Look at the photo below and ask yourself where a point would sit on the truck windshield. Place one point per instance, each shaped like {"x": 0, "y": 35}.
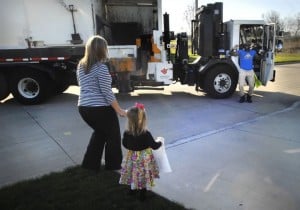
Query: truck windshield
{"x": 258, "y": 36}
{"x": 252, "y": 34}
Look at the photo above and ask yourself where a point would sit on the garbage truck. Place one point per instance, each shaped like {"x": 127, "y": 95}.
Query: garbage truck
{"x": 41, "y": 43}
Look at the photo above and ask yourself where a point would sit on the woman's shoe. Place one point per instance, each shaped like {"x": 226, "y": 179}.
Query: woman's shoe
{"x": 142, "y": 196}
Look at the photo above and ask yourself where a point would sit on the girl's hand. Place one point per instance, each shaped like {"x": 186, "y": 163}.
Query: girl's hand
{"x": 161, "y": 139}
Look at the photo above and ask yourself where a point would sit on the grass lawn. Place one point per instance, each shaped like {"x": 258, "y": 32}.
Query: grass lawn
{"x": 287, "y": 57}
{"x": 77, "y": 188}
{"x": 279, "y": 57}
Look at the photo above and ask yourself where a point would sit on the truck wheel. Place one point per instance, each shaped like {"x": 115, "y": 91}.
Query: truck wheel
{"x": 4, "y": 90}
{"x": 60, "y": 88}
{"x": 30, "y": 87}
{"x": 61, "y": 85}
{"x": 220, "y": 81}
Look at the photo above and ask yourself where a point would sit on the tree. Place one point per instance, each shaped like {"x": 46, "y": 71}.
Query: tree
{"x": 274, "y": 17}
{"x": 297, "y": 24}
{"x": 292, "y": 25}
{"x": 189, "y": 15}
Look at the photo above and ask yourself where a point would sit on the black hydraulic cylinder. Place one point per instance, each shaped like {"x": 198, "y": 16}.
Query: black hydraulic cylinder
{"x": 166, "y": 37}
{"x": 210, "y": 20}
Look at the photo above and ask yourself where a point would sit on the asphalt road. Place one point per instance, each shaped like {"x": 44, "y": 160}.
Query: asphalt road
{"x": 224, "y": 155}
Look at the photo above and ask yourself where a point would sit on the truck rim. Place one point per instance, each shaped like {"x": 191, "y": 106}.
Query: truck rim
{"x": 222, "y": 83}
{"x": 28, "y": 88}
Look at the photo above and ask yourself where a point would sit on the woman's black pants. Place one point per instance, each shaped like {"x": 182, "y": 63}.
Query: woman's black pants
{"x": 106, "y": 134}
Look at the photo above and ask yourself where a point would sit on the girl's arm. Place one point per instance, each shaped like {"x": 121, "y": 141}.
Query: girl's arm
{"x": 152, "y": 143}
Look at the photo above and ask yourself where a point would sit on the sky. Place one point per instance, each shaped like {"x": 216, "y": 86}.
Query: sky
{"x": 232, "y": 9}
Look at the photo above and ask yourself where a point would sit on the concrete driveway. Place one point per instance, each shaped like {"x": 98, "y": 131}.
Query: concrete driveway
{"x": 224, "y": 155}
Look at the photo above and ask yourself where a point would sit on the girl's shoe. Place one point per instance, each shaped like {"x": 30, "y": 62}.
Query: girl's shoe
{"x": 131, "y": 192}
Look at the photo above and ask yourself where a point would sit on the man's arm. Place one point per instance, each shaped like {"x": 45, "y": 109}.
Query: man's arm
{"x": 234, "y": 51}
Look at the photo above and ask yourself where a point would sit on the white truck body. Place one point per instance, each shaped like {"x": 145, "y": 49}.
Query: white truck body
{"x": 48, "y": 22}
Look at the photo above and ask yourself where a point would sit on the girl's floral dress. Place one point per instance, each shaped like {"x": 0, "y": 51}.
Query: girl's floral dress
{"x": 139, "y": 168}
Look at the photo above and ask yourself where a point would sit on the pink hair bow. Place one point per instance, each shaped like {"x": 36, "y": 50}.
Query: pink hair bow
{"x": 139, "y": 105}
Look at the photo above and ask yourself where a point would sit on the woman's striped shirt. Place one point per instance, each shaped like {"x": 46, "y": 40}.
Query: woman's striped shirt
{"x": 95, "y": 86}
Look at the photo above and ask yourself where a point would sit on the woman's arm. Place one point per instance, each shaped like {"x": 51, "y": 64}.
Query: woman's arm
{"x": 105, "y": 84}
{"x": 115, "y": 105}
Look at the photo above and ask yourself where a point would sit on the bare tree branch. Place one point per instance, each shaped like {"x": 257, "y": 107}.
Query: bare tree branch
{"x": 274, "y": 17}
{"x": 189, "y": 15}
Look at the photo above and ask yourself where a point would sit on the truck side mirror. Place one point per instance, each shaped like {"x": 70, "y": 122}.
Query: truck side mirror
{"x": 281, "y": 33}
{"x": 279, "y": 45}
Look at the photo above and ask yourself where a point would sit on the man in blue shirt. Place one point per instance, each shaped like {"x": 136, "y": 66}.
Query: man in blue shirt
{"x": 246, "y": 57}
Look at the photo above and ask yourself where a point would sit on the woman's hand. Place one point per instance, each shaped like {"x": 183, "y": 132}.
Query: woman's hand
{"x": 122, "y": 112}
{"x": 118, "y": 109}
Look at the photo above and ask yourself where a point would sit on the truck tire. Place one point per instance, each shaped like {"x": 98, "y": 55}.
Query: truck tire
{"x": 220, "y": 81}
{"x": 30, "y": 87}
{"x": 60, "y": 88}
{"x": 61, "y": 83}
{"x": 4, "y": 89}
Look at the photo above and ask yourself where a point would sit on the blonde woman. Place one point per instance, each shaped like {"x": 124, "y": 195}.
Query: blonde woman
{"x": 99, "y": 107}
{"x": 140, "y": 168}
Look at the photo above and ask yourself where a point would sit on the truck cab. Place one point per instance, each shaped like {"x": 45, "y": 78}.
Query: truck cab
{"x": 216, "y": 70}
{"x": 262, "y": 38}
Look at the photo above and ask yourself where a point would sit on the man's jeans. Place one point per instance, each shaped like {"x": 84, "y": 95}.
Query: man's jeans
{"x": 249, "y": 76}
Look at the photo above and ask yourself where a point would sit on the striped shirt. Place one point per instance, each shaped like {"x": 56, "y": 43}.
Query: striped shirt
{"x": 95, "y": 86}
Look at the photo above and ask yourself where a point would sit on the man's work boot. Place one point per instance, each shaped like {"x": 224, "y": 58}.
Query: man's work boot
{"x": 242, "y": 99}
{"x": 249, "y": 99}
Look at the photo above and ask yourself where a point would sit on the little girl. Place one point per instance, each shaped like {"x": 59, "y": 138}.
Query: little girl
{"x": 139, "y": 168}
